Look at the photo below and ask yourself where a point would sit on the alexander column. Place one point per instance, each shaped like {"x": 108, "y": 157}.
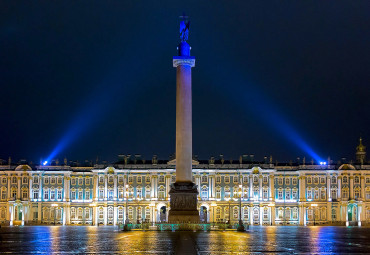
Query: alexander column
{"x": 183, "y": 193}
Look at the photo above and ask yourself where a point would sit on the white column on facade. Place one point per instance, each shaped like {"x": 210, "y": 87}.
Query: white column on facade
{"x": 115, "y": 188}
{"x": 95, "y": 189}
{"x": 273, "y": 214}
{"x": 302, "y": 188}
{"x": 359, "y": 212}
{"x": 105, "y": 189}
{"x": 155, "y": 181}
{"x": 339, "y": 190}
{"x": 251, "y": 215}
{"x": 261, "y": 215}
{"x": 95, "y": 213}
{"x": 328, "y": 211}
{"x": 260, "y": 187}
{"x": 39, "y": 211}
{"x": 362, "y": 188}
{"x": 105, "y": 215}
{"x": 251, "y": 187}
{"x": 64, "y": 215}
{"x": 66, "y": 188}
{"x": 19, "y": 187}
{"x": 304, "y": 215}
{"x": 351, "y": 187}
{"x": 168, "y": 181}
{"x": 152, "y": 186}
{"x": 272, "y": 188}
{"x": 301, "y": 215}
{"x": 9, "y": 189}
{"x": 24, "y": 211}
{"x": 198, "y": 183}
{"x": 40, "y": 190}
{"x": 67, "y": 208}
{"x": 11, "y": 214}
{"x": 211, "y": 186}
{"x": 30, "y": 190}
{"x": 115, "y": 215}
{"x": 328, "y": 187}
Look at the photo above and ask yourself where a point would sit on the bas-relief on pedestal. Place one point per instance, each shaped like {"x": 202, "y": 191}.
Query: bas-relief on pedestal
{"x": 183, "y": 203}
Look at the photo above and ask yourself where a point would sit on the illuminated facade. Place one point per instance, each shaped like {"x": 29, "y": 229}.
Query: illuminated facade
{"x": 267, "y": 194}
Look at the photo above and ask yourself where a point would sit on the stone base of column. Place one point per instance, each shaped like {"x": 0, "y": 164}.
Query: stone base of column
{"x": 183, "y": 203}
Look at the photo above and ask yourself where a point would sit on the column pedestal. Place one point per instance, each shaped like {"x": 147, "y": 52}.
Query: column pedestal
{"x": 183, "y": 202}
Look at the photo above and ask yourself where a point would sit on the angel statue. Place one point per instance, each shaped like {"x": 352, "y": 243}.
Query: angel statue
{"x": 184, "y": 28}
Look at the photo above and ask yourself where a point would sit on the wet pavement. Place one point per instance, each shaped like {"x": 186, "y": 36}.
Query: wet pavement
{"x": 258, "y": 240}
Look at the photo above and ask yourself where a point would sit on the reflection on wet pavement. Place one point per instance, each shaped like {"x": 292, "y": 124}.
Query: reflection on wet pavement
{"x": 109, "y": 240}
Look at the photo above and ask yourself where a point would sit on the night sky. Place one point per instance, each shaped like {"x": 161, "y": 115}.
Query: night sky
{"x": 94, "y": 78}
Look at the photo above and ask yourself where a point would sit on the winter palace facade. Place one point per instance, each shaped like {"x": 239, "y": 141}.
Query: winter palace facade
{"x": 136, "y": 190}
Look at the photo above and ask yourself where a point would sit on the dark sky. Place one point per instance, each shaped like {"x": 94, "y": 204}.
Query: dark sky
{"x": 95, "y": 78}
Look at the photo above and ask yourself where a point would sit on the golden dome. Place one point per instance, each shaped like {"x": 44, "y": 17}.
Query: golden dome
{"x": 360, "y": 147}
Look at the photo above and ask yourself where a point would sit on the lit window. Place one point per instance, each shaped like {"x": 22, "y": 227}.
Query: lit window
{"x": 110, "y": 179}
{"x": 204, "y": 179}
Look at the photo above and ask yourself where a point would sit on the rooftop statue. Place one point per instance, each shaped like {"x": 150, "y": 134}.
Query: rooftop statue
{"x": 184, "y": 28}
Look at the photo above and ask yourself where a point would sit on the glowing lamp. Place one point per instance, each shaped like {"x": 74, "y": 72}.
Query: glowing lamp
{"x": 323, "y": 163}
{"x": 45, "y": 162}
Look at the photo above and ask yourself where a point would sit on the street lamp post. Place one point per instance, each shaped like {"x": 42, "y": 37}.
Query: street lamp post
{"x": 240, "y": 226}
{"x": 55, "y": 207}
{"x": 314, "y": 205}
{"x": 125, "y": 226}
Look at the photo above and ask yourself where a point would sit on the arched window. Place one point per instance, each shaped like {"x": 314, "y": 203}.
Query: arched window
{"x": 245, "y": 192}
{"x": 357, "y": 179}
{"x": 204, "y": 178}
{"x": 323, "y": 213}
{"x": 139, "y": 192}
{"x": 246, "y": 213}
{"x": 218, "y": 192}
{"x": 110, "y": 212}
{"x": 333, "y": 193}
{"x": 333, "y": 214}
{"x": 110, "y": 179}
{"x": 235, "y": 213}
{"x": 130, "y": 192}
{"x": 101, "y": 192}
{"x": 295, "y": 213}
{"x": 147, "y": 214}
{"x": 204, "y": 192}
{"x": 357, "y": 193}
{"x": 120, "y": 213}
{"x": 265, "y": 213}
{"x": 236, "y": 192}
{"x": 131, "y": 213}
{"x": 287, "y": 194}
{"x": 139, "y": 213}
{"x": 345, "y": 179}
{"x": 101, "y": 213}
{"x": 227, "y": 192}
{"x": 161, "y": 193}
{"x": 218, "y": 213}
{"x": 333, "y": 179}
{"x": 345, "y": 193}
{"x": 4, "y": 194}
{"x": 79, "y": 213}
{"x": 147, "y": 192}
{"x": 120, "y": 193}
{"x": 101, "y": 179}
{"x": 110, "y": 194}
